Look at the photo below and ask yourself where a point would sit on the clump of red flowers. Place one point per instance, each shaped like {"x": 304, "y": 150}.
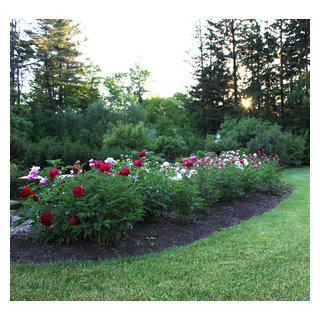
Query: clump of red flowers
{"x": 138, "y": 163}
{"x": 187, "y": 163}
{"x": 46, "y": 219}
{"x": 124, "y": 172}
{"x": 53, "y": 172}
{"x": 74, "y": 220}
{"x": 76, "y": 168}
{"x": 25, "y": 192}
{"x": 78, "y": 192}
{"x": 105, "y": 167}
{"x": 97, "y": 164}
{"x": 142, "y": 154}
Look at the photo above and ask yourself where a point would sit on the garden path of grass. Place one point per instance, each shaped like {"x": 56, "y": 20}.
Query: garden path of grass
{"x": 265, "y": 258}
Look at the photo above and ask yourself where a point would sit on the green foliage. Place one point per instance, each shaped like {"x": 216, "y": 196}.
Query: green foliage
{"x": 132, "y": 112}
{"x": 295, "y": 150}
{"x": 271, "y": 140}
{"x": 185, "y": 199}
{"x": 208, "y": 188}
{"x": 51, "y": 148}
{"x": 110, "y": 205}
{"x": 296, "y": 117}
{"x": 126, "y": 85}
{"x": 289, "y": 148}
{"x": 15, "y": 184}
{"x": 243, "y": 129}
{"x": 264, "y": 178}
{"x": 228, "y": 182}
{"x": 169, "y": 147}
{"x": 124, "y": 138}
{"x": 154, "y": 187}
{"x": 225, "y": 144}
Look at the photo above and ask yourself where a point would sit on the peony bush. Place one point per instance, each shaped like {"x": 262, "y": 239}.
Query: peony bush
{"x": 100, "y": 200}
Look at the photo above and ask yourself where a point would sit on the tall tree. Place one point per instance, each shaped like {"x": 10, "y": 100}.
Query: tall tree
{"x": 57, "y": 68}
{"x": 231, "y": 31}
{"x": 20, "y": 55}
{"x": 125, "y": 86}
{"x": 212, "y": 73}
{"x": 293, "y": 39}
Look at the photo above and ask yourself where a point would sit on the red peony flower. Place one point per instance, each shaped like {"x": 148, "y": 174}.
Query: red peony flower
{"x": 187, "y": 163}
{"x": 124, "y": 172}
{"x": 76, "y": 168}
{"x": 138, "y": 163}
{"x": 25, "y": 192}
{"x": 78, "y": 192}
{"x": 75, "y": 220}
{"x": 105, "y": 167}
{"x": 53, "y": 172}
{"x": 98, "y": 163}
{"x": 35, "y": 197}
{"x": 46, "y": 219}
{"x": 142, "y": 154}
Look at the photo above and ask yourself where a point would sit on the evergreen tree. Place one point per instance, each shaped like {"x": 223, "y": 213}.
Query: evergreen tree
{"x": 211, "y": 100}
{"x": 57, "y": 69}
{"x": 231, "y": 31}
{"x": 20, "y": 55}
{"x": 293, "y": 39}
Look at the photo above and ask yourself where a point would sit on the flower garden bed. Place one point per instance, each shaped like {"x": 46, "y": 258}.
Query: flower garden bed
{"x": 152, "y": 236}
{"x": 136, "y": 206}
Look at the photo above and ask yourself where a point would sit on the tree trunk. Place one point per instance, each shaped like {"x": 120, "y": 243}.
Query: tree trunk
{"x": 235, "y": 66}
{"x": 281, "y": 71}
{"x": 49, "y": 89}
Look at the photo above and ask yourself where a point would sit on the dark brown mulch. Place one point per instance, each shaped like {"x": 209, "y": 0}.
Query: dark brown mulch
{"x": 152, "y": 236}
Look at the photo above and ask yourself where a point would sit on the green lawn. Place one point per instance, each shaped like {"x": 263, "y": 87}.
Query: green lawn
{"x": 266, "y": 258}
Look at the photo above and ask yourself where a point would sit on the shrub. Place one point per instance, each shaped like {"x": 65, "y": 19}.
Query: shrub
{"x": 98, "y": 205}
{"x": 289, "y": 148}
{"x": 15, "y": 183}
{"x": 51, "y": 148}
{"x": 124, "y": 138}
{"x": 208, "y": 188}
{"x": 154, "y": 187}
{"x": 243, "y": 129}
{"x": 105, "y": 201}
{"x": 225, "y": 144}
{"x": 170, "y": 147}
{"x": 228, "y": 182}
{"x": 295, "y": 147}
{"x": 262, "y": 178}
{"x": 185, "y": 199}
{"x": 271, "y": 140}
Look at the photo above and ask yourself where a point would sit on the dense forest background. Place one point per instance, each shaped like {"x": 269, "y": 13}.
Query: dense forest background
{"x": 252, "y": 86}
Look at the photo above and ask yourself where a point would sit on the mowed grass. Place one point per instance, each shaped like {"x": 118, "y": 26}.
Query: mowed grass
{"x": 265, "y": 258}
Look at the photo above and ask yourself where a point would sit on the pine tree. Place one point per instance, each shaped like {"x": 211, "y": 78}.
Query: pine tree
{"x": 20, "y": 55}
{"x": 211, "y": 100}
{"x": 57, "y": 69}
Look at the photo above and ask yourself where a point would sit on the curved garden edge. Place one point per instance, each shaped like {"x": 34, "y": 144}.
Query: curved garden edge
{"x": 151, "y": 236}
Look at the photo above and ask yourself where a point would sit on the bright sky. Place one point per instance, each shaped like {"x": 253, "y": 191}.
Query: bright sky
{"x": 156, "y": 44}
